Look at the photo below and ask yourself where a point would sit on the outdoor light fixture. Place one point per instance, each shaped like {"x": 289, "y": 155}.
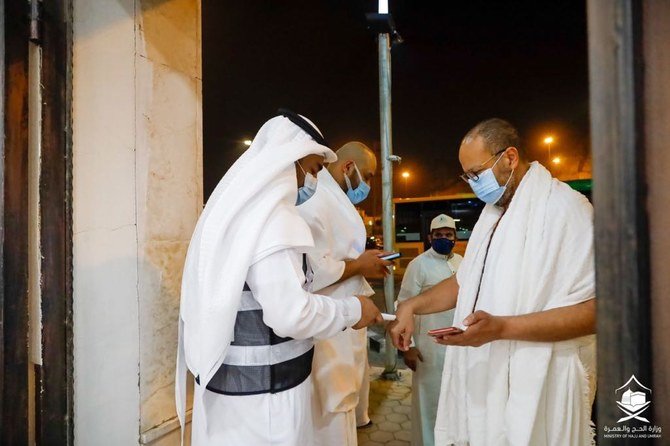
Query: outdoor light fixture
{"x": 247, "y": 142}
{"x": 381, "y": 22}
{"x": 549, "y": 140}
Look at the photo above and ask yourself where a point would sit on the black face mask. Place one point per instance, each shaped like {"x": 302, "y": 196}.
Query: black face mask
{"x": 442, "y": 245}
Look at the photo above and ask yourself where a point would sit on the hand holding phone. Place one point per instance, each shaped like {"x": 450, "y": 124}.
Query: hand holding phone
{"x": 371, "y": 265}
{"x": 446, "y": 331}
{"x": 391, "y": 256}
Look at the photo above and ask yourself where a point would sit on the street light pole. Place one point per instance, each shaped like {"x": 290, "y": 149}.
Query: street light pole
{"x": 384, "y": 41}
{"x": 383, "y": 24}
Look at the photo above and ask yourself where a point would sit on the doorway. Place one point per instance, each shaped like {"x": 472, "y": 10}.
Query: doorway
{"x": 36, "y": 292}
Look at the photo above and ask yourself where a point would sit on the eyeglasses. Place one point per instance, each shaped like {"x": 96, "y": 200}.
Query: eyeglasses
{"x": 474, "y": 176}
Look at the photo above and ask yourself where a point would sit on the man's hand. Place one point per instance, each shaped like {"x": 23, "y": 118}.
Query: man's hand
{"x": 412, "y": 357}
{"x": 482, "y": 329}
{"x": 370, "y": 314}
{"x": 402, "y": 328}
{"x": 555, "y": 325}
{"x": 371, "y": 266}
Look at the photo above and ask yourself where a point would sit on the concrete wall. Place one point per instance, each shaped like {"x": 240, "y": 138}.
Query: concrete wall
{"x": 137, "y": 192}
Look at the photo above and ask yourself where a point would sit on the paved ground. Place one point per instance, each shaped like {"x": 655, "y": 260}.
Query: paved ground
{"x": 390, "y": 408}
{"x": 390, "y": 401}
{"x": 376, "y": 354}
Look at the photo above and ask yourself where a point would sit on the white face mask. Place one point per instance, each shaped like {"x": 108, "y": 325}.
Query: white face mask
{"x": 487, "y": 188}
{"x": 362, "y": 190}
{"x": 308, "y": 189}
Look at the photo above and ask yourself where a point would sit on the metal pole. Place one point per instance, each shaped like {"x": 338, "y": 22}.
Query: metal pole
{"x": 384, "y": 42}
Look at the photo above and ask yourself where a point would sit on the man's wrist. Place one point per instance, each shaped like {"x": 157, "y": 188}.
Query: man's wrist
{"x": 353, "y": 267}
{"x": 506, "y": 331}
{"x": 408, "y": 305}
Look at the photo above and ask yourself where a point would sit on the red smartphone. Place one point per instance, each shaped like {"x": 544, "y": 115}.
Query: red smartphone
{"x": 446, "y": 331}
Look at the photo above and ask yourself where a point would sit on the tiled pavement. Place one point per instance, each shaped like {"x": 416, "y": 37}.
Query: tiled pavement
{"x": 390, "y": 407}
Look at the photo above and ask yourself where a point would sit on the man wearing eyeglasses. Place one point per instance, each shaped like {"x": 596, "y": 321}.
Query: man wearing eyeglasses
{"x": 520, "y": 362}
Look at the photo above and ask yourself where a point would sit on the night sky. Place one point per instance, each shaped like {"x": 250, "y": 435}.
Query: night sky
{"x": 460, "y": 62}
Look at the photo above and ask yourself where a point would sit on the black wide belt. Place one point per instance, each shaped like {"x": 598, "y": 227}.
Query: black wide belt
{"x": 258, "y": 361}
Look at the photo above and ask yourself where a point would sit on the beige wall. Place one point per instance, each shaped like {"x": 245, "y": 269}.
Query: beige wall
{"x": 169, "y": 189}
{"x": 137, "y": 192}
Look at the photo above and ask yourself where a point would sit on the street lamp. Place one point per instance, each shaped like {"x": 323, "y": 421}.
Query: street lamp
{"x": 247, "y": 142}
{"x": 556, "y": 160}
{"x": 549, "y": 141}
{"x": 405, "y": 176}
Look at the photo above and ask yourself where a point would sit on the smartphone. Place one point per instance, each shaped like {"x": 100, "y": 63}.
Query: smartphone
{"x": 446, "y": 331}
{"x": 392, "y": 256}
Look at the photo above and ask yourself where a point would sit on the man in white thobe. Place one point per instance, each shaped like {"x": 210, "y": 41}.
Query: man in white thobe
{"x": 340, "y": 263}
{"x": 247, "y": 321}
{"x": 523, "y": 370}
{"x": 425, "y": 357}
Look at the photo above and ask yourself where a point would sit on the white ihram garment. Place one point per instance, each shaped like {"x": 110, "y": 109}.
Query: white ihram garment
{"x": 282, "y": 418}
{"x": 515, "y": 392}
{"x": 425, "y": 271}
{"x": 250, "y": 216}
{"x": 361, "y": 351}
{"x": 340, "y": 362}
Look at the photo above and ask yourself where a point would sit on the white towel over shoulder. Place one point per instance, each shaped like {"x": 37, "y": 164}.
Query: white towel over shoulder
{"x": 541, "y": 257}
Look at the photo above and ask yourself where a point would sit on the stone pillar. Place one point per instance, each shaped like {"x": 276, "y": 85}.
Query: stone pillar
{"x": 137, "y": 193}
{"x": 168, "y": 192}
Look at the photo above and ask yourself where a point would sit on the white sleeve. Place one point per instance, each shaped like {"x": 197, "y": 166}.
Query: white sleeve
{"x": 327, "y": 270}
{"x": 276, "y": 283}
{"x": 411, "y": 282}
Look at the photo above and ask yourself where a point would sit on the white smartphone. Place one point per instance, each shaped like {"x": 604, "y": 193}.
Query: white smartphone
{"x": 392, "y": 256}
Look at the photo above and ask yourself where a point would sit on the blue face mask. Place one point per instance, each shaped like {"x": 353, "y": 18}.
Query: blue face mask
{"x": 308, "y": 189}
{"x": 361, "y": 192}
{"x": 487, "y": 188}
{"x": 442, "y": 245}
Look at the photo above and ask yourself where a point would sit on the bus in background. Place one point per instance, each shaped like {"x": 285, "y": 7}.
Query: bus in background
{"x": 413, "y": 217}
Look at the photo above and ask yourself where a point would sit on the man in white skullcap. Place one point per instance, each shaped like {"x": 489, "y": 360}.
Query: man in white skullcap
{"x": 519, "y": 368}
{"x": 247, "y": 323}
{"x": 340, "y": 264}
{"x": 425, "y": 357}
